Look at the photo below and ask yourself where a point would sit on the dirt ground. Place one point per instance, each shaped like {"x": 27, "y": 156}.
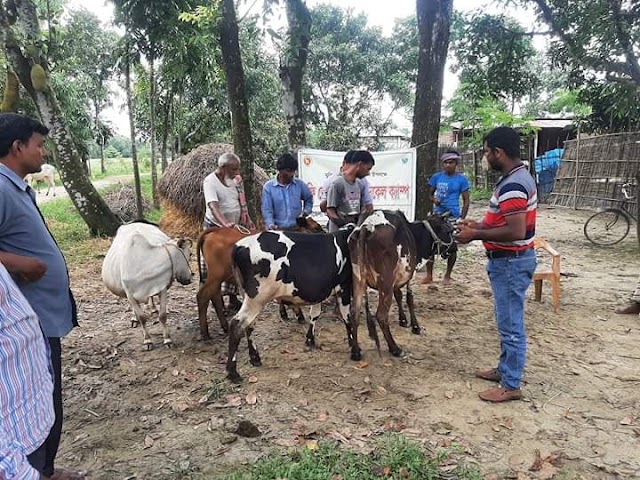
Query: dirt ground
{"x": 169, "y": 414}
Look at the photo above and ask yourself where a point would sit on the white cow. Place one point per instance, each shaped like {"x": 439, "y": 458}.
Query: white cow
{"x": 46, "y": 174}
{"x": 141, "y": 263}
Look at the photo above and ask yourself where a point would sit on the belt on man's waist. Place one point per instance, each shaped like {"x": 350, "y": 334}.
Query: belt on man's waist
{"x": 506, "y": 253}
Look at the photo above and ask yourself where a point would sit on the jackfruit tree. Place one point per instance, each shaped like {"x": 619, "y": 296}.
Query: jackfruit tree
{"x": 21, "y": 40}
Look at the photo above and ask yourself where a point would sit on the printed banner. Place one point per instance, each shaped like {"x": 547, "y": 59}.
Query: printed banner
{"x": 391, "y": 182}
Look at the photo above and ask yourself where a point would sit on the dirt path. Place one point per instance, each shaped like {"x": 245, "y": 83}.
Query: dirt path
{"x": 168, "y": 414}
{"x": 60, "y": 192}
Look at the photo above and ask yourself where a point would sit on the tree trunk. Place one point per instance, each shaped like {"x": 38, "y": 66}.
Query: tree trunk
{"x": 434, "y": 18}
{"x": 152, "y": 127}
{"x": 99, "y": 136}
{"x": 103, "y": 169}
{"x": 91, "y": 207}
{"x": 232, "y": 64}
{"x": 165, "y": 131}
{"x": 292, "y": 65}
{"x": 132, "y": 127}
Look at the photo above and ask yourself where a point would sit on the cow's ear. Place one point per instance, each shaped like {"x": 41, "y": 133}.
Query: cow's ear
{"x": 185, "y": 243}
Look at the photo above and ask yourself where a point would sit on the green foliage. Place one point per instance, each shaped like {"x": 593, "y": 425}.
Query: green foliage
{"x": 492, "y": 56}
{"x": 204, "y": 110}
{"x": 122, "y": 144}
{"x": 352, "y": 68}
{"x": 394, "y": 457}
{"x": 481, "y": 115}
{"x": 597, "y": 43}
{"x": 613, "y": 106}
{"x": 567, "y": 102}
{"x": 111, "y": 152}
{"x": 82, "y": 63}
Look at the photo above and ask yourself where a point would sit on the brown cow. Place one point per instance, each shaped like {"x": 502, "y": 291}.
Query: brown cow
{"x": 215, "y": 245}
{"x": 385, "y": 249}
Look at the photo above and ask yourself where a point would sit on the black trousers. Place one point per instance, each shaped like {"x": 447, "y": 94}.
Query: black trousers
{"x": 44, "y": 457}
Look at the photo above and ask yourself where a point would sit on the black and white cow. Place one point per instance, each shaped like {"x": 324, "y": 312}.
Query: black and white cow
{"x": 385, "y": 249}
{"x": 296, "y": 268}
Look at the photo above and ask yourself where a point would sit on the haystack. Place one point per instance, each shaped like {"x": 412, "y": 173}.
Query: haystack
{"x": 121, "y": 199}
{"x": 180, "y": 188}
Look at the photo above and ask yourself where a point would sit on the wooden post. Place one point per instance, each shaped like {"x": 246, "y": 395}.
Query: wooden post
{"x": 575, "y": 184}
{"x": 475, "y": 168}
{"x": 638, "y": 206}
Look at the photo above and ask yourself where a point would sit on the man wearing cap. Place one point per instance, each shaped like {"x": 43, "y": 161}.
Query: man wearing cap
{"x": 285, "y": 197}
{"x": 445, "y": 189}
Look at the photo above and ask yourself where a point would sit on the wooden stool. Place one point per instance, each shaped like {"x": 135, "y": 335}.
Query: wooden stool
{"x": 552, "y": 275}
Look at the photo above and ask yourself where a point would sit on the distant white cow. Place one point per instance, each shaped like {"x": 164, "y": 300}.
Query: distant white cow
{"x": 46, "y": 174}
{"x": 141, "y": 263}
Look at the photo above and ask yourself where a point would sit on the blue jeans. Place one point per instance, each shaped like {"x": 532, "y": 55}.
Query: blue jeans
{"x": 510, "y": 278}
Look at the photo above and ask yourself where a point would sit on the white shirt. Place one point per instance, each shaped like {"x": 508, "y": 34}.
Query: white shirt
{"x": 225, "y": 195}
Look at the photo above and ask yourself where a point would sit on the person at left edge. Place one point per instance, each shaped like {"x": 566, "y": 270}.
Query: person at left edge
{"x": 26, "y": 387}
{"x": 285, "y": 197}
{"x": 30, "y": 253}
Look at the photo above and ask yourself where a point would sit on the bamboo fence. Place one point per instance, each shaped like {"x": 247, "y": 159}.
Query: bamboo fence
{"x": 593, "y": 170}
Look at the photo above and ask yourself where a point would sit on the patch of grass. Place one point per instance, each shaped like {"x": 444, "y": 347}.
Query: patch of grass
{"x": 115, "y": 166}
{"x": 70, "y": 231}
{"x": 66, "y": 225}
{"x": 219, "y": 389}
{"x": 480, "y": 194}
{"x": 395, "y": 456}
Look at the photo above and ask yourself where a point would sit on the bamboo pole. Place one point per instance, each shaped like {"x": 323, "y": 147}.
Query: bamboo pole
{"x": 575, "y": 185}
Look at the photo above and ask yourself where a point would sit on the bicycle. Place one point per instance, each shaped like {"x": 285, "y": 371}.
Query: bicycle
{"x": 611, "y": 225}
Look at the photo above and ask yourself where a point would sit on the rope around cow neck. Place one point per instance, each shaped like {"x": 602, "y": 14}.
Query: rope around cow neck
{"x": 173, "y": 267}
{"x": 437, "y": 240}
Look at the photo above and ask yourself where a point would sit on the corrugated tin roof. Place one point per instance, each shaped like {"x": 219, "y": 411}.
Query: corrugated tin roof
{"x": 538, "y": 122}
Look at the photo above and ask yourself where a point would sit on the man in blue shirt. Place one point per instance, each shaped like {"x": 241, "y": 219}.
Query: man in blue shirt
{"x": 445, "y": 189}
{"x": 283, "y": 196}
{"x": 32, "y": 257}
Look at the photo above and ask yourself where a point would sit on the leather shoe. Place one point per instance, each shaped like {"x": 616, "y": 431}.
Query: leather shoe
{"x": 500, "y": 394}
{"x": 492, "y": 375}
{"x": 630, "y": 309}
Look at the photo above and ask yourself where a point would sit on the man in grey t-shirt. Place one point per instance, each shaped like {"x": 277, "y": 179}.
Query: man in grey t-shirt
{"x": 344, "y": 198}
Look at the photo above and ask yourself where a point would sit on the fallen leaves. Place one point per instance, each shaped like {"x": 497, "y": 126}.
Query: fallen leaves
{"x": 148, "y": 442}
{"x": 233, "y": 401}
{"x": 546, "y": 467}
{"x": 180, "y": 406}
{"x": 628, "y": 420}
{"x": 252, "y": 398}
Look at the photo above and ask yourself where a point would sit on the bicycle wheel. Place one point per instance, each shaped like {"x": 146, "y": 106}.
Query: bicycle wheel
{"x": 607, "y": 227}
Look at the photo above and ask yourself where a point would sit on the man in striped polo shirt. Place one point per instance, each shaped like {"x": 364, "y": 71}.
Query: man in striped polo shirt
{"x": 507, "y": 232}
{"x": 26, "y": 386}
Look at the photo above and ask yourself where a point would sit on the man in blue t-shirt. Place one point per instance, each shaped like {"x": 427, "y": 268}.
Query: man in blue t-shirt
{"x": 445, "y": 189}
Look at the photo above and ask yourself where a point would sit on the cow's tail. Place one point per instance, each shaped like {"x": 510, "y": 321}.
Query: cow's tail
{"x": 236, "y": 269}
{"x": 202, "y": 272}
{"x": 371, "y": 322}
